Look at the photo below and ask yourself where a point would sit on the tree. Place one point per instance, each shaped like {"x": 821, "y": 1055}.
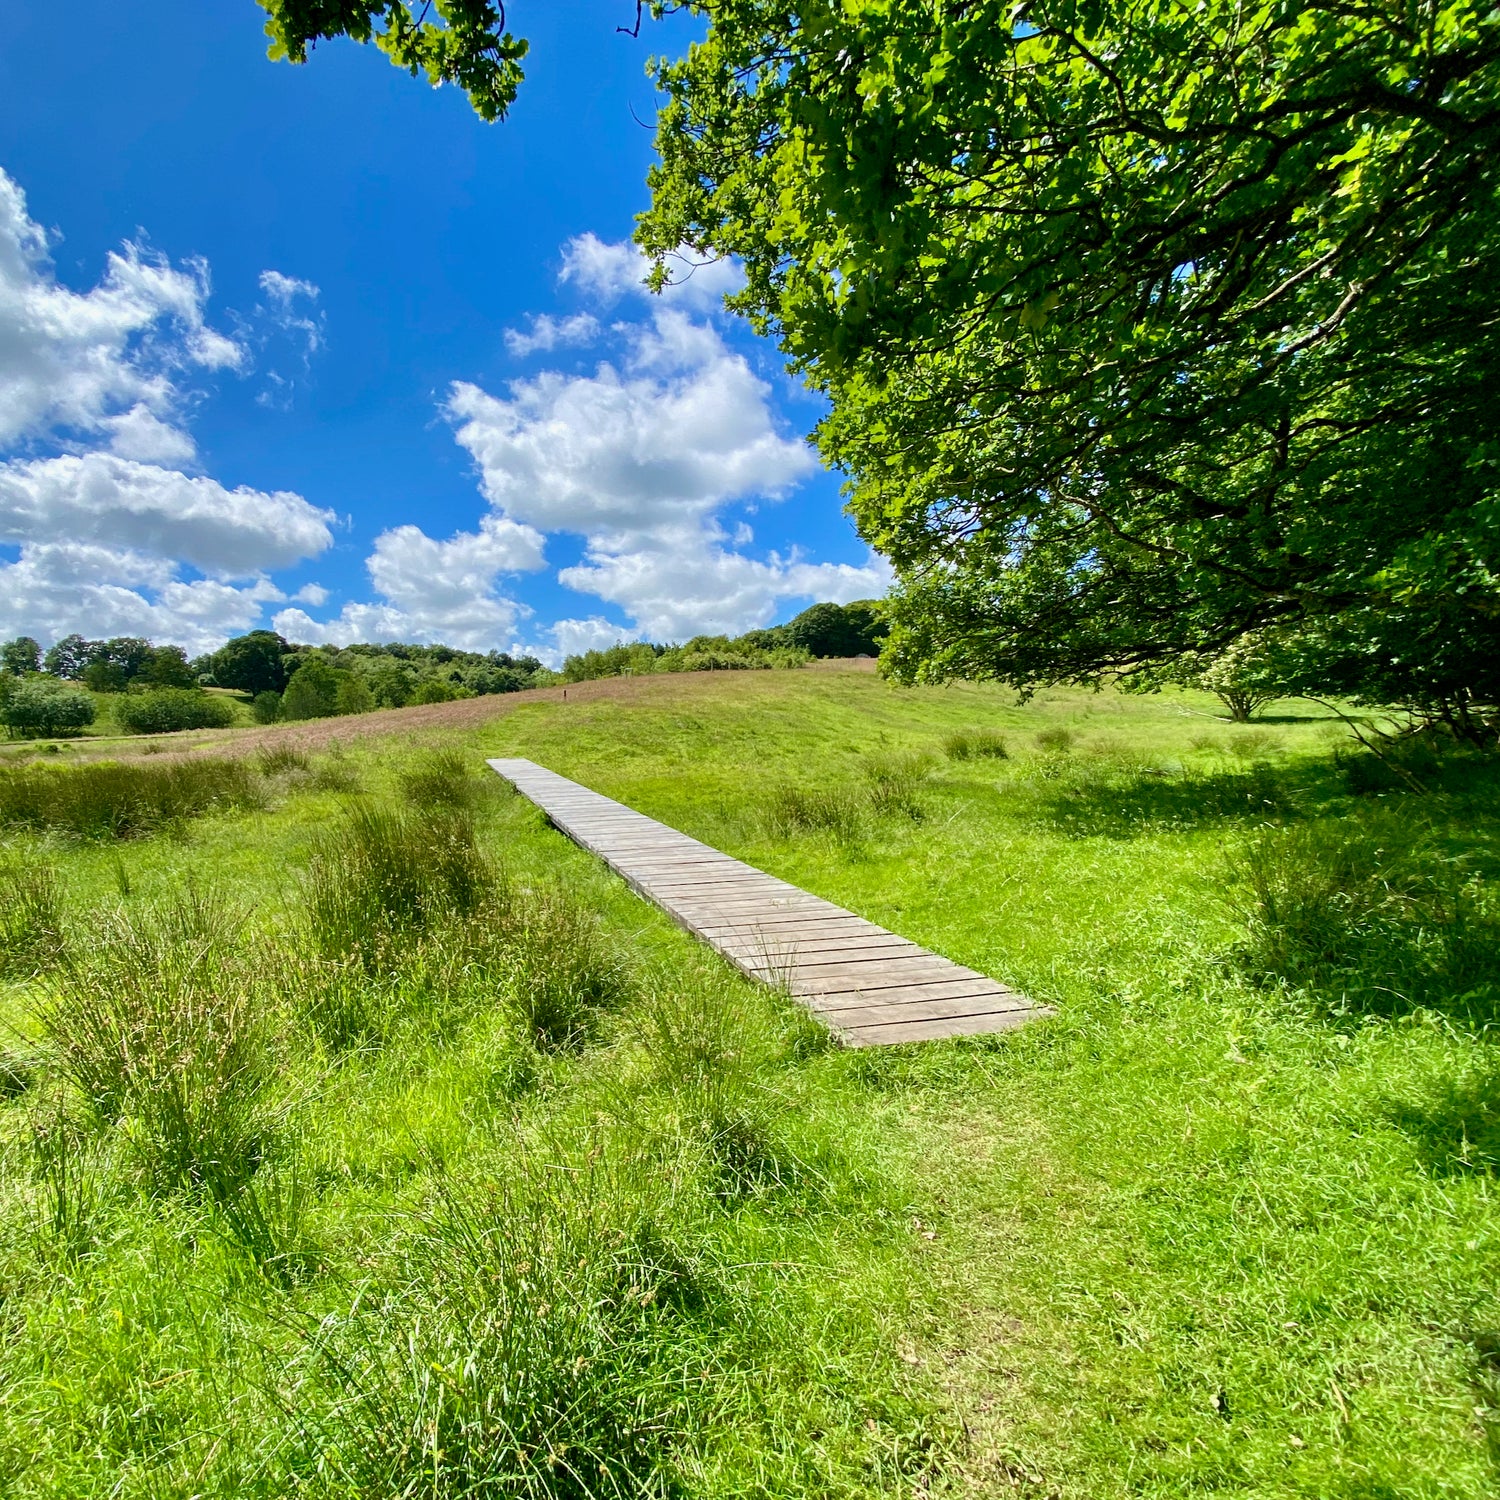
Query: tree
{"x": 69, "y": 658}
{"x": 353, "y": 695}
{"x": 167, "y": 666}
{"x": 312, "y": 691}
{"x": 21, "y": 657}
{"x": 35, "y": 708}
{"x": 1141, "y": 326}
{"x": 839, "y": 629}
{"x": 253, "y": 663}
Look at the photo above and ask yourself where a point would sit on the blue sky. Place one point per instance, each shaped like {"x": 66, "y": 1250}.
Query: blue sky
{"x": 316, "y": 348}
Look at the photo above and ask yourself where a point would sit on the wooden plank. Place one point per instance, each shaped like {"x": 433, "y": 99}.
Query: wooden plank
{"x": 869, "y": 986}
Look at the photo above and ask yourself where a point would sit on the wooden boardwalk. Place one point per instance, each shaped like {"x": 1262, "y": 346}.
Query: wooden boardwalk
{"x": 866, "y": 984}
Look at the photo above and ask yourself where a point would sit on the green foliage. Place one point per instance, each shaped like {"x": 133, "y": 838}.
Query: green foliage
{"x": 34, "y": 707}
{"x": 311, "y": 691}
{"x": 110, "y": 800}
{"x": 21, "y": 657}
{"x": 1140, "y": 328}
{"x": 840, "y": 629}
{"x": 266, "y": 707}
{"x": 169, "y": 709}
{"x": 442, "y": 778}
{"x": 353, "y": 696}
{"x": 254, "y": 663}
{"x": 465, "y": 42}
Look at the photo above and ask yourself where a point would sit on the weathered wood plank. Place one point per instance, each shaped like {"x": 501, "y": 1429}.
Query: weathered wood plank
{"x": 869, "y": 986}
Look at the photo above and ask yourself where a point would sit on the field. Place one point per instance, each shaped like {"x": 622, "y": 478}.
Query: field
{"x": 360, "y": 1136}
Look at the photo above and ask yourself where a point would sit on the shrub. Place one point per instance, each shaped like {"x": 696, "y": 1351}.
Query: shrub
{"x": 168, "y": 710}
{"x": 975, "y": 744}
{"x": 31, "y": 927}
{"x": 265, "y": 708}
{"x": 34, "y": 707}
{"x": 436, "y": 690}
{"x": 109, "y": 800}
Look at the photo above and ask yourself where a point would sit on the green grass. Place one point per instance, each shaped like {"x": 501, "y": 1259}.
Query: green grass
{"x": 365, "y": 1137}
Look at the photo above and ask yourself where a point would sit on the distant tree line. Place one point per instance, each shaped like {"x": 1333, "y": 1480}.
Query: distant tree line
{"x": 824, "y": 630}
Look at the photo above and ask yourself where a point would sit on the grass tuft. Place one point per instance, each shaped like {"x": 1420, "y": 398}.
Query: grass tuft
{"x": 441, "y": 778}
{"x": 1055, "y": 740}
{"x": 788, "y": 810}
{"x": 894, "y": 785}
{"x": 976, "y": 744}
{"x": 31, "y": 920}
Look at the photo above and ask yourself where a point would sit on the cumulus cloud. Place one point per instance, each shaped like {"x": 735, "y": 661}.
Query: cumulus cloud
{"x": 53, "y": 590}
{"x": 88, "y": 362}
{"x": 117, "y": 502}
{"x": 547, "y": 333}
{"x": 616, "y": 455}
{"x": 638, "y": 460}
{"x": 608, "y": 270}
{"x": 433, "y": 590}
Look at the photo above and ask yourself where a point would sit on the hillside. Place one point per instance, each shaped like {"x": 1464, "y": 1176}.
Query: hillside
{"x": 362, "y": 1136}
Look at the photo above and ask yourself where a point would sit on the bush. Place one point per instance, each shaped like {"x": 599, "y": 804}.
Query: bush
{"x": 266, "y": 707}
{"x": 975, "y": 744}
{"x": 436, "y": 690}
{"x": 109, "y": 800}
{"x": 34, "y": 708}
{"x": 168, "y": 710}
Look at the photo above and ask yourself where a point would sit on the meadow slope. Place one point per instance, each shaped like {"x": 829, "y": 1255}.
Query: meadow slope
{"x": 361, "y": 1136}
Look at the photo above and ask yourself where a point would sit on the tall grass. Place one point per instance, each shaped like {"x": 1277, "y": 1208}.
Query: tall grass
{"x": 160, "y": 1023}
{"x": 31, "y": 919}
{"x": 119, "y": 800}
{"x": 893, "y": 784}
{"x": 442, "y": 778}
{"x": 976, "y": 744}
{"x": 518, "y": 1353}
{"x": 380, "y": 879}
{"x": 1368, "y": 918}
{"x": 788, "y": 809}
{"x": 560, "y": 970}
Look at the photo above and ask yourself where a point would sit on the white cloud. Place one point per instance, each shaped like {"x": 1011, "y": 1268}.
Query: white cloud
{"x": 573, "y": 637}
{"x": 607, "y": 271}
{"x": 694, "y": 586}
{"x": 116, "y": 502}
{"x": 551, "y": 333}
{"x": 638, "y": 461}
{"x": 311, "y": 593}
{"x": 56, "y": 589}
{"x": 140, "y": 434}
{"x": 82, "y": 361}
{"x": 614, "y": 457}
{"x": 434, "y": 591}
{"x": 283, "y": 293}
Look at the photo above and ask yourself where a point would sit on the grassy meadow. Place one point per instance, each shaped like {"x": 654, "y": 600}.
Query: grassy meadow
{"x": 360, "y": 1136}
